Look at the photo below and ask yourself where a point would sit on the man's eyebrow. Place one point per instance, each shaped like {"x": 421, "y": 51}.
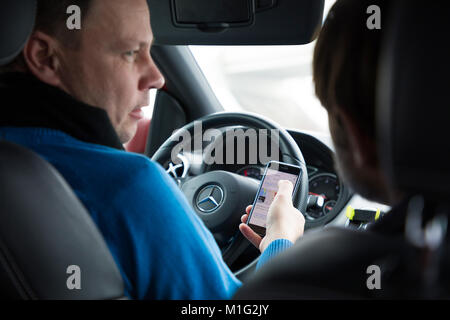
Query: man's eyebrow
{"x": 146, "y": 43}
{"x": 140, "y": 42}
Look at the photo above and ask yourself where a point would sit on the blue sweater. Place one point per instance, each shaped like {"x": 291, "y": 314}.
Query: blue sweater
{"x": 162, "y": 249}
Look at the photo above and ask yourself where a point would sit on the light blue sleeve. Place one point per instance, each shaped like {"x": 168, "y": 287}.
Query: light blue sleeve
{"x": 275, "y": 248}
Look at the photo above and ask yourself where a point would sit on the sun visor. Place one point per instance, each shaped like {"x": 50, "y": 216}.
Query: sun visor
{"x": 235, "y": 22}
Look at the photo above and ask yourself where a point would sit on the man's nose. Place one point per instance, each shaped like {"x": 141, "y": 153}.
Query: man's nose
{"x": 151, "y": 78}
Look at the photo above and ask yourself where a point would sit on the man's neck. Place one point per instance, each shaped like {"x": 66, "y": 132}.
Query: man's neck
{"x": 32, "y": 103}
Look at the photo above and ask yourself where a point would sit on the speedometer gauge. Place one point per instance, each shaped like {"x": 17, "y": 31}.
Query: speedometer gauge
{"x": 326, "y": 189}
{"x": 255, "y": 172}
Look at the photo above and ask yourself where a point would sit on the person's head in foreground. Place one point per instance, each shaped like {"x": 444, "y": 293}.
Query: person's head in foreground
{"x": 338, "y": 263}
{"x": 345, "y": 74}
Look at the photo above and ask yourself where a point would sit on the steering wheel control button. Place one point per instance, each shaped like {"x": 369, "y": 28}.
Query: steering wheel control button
{"x": 210, "y": 198}
{"x": 180, "y": 170}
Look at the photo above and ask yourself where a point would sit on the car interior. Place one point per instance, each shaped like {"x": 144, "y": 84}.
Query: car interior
{"x": 43, "y": 226}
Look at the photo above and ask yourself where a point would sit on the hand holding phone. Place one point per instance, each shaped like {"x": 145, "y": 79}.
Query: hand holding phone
{"x": 274, "y": 217}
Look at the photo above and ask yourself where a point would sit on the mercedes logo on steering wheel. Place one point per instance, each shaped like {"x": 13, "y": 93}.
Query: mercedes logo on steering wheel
{"x": 210, "y": 198}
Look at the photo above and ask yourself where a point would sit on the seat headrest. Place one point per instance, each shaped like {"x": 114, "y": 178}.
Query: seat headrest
{"x": 17, "y": 19}
{"x": 414, "y": 98}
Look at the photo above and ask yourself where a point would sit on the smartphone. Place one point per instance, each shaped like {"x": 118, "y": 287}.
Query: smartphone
{"x": 274, "y": 172}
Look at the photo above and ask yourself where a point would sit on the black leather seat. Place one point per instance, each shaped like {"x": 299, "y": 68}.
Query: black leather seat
{"x": 44, "y": 228}
{"x": 414, "y": 141}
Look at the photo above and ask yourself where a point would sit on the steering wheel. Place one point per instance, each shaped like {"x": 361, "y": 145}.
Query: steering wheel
{"x": 220, "y": 197}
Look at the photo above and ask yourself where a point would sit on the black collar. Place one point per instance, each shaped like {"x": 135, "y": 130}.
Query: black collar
{"x": 28, "y": 102}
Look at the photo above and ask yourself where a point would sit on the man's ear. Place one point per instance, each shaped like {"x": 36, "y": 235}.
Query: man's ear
{"x": 41, "y": 58}
{"x": 363, "y": 148}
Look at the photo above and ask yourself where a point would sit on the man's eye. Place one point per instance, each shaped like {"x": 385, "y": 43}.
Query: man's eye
{"x": 131, "y": 55}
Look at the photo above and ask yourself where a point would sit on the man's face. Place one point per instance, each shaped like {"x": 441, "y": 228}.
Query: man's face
{"x": 112, "y": 68}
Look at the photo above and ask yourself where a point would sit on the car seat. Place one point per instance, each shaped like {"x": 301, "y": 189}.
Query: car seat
{"x": 49, "y": 246}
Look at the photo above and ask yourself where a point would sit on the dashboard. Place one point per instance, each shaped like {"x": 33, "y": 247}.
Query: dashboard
{"x": 325, "y": 191}
{"x": 328, "y": 196}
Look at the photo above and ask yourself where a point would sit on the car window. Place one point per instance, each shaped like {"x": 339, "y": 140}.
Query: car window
{"x": 274, "y": 81}
{"x": 148, "y": 111}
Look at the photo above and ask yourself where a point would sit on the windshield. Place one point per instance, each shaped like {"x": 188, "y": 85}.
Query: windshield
{"x": 274, "y": 81}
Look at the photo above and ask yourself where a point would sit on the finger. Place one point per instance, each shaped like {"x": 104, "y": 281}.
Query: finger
{"x": 285, "y": 187}
{"x": 250, "y": 235}
{"x": 244, "y": 218}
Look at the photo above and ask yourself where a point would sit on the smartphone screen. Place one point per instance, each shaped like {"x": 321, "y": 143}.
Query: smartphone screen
{"x": 275, "y": 171}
